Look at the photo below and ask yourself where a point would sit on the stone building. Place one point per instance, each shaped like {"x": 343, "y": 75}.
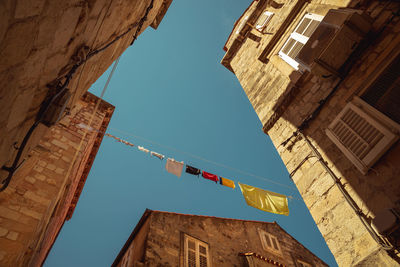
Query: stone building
{"x": 45, "y": 190}
{"x": 172, "y": 239}
{"x": 51, "y": 53}
{"x": 58, "y": 49}
{"x": 323, "y": 78}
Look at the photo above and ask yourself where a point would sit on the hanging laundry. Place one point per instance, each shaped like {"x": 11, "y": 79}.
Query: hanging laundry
{"x": 143, "y": 149}
{"x": 174, "y": 167}
{"x": 227, "y": 182}
{"x": 192, "y": 170}
{"x": 265, "y": 200}
{"x": 127, "y": 143}
{"x": 155, "y": 154}
{"x": 210, "y": 176}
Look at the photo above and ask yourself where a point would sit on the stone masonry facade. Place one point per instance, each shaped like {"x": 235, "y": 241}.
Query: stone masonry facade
{"x": 35, "y": 205}
{"x": 284, "y": 98}
{"x": 158, "y": 240}
{"x": 40, "y": 41}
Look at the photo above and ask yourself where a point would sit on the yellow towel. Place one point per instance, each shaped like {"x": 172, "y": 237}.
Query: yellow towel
{"x": 265, "y": 200}
{"x": 227, "y": 182}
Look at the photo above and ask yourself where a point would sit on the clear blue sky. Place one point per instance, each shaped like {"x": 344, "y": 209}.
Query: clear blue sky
{"x": 170, "y": 88}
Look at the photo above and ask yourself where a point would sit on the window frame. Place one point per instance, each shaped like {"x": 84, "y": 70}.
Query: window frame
{"x": 261, "y": 27}
{"x": 298, "y": 38}
{"x": 241, "y": 25}
{"x": 388, "y": 139}
{"x": 197, "y": 243}
{"x": 263, "y": 237}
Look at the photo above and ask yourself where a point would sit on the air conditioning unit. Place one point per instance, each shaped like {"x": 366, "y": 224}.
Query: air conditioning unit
{"x": 335, "y": 38}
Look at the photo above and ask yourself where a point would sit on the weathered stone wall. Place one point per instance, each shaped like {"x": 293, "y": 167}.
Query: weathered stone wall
{"x": 136, "y": 250}
{"x": 226, "y": 239}
{"x": 34, "y": 206}
{"x": 40, "y": 40}
{"x": 267, "y": 83}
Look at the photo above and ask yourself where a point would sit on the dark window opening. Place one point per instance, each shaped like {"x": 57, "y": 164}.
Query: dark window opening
{"x": 384, "y": 93}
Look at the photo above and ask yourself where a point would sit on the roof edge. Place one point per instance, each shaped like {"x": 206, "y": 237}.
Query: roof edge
{"x": 206, "y": 216}
{"x": 161, "y": 13}
{"x": 135, "y": 231}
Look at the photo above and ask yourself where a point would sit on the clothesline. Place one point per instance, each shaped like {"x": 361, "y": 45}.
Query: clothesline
{"x": 203, "y": 159}
{"x": 258, "y": 198}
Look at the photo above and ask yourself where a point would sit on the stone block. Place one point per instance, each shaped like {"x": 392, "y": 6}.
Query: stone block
{"x": 31, "y": 213}
{"x": 66, "y": 27}
{"x": 51, "y": 181}
{"x": 59, "y": 144}
{"x": 12, "y": 235}
{"x": 47, "y": 28}
{"x": 345, "y": 258}
{"x": 32, "y": 196}
{"x": 42, "y": 163}
{"x": 9, "y": 214}
{"x": 66, "y": 159}
{"x": 40, "y": 177}
{"x": 51, "y": 167}
{"x": 20, "y": 108}
{"x": 17, "y": 49}
{"x": 30, "y": 73}
{"x": 4, "y": 18}
{"x": 28, "y": 8}
{"x": 59, "y": 171}
{"x": 38, "y": 169}
{"x": 3, "y": 231}
{"x": 303, "y": 183}
{"x": 14, "y": 207}
{"x": 365, "y": 245}
{"x": 321, "y": 185}
{"x": 30, "y": 179}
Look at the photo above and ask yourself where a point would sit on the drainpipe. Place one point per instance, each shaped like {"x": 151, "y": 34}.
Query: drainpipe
{"x": 382, "y": 242}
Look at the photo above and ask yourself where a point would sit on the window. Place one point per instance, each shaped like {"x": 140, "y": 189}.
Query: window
{"x": 241, "y": 25}
{"x": 269, "y": 242}
{"x": 196, "y": 253}
{"x": 368, "y": 126}
{"x": 303, "y": 264}
{"x": 384, "y": 93}
{"x": 263, "y": 20}
{"x": 299, "y": 38}
{"x": 359, "y": 136}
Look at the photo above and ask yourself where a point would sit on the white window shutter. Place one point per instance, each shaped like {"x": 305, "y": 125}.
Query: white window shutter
{"x": 263, "y": 20}
{"x": 360, "y": 137}
{"x": 298, "y": 38}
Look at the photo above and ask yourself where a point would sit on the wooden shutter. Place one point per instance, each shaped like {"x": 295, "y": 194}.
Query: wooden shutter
{"x": 203, "y": 257}
{"x": 196, "y": 253}
{"x": 274, "y": 243}
{"x": 191, "y": 252}
{"x": 269, "y": 242}
{"x": 360, "y": 137}
{"x": 263, "y": 20}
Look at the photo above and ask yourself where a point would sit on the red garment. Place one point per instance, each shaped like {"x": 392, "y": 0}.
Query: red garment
{"x": 210, "y": 176}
